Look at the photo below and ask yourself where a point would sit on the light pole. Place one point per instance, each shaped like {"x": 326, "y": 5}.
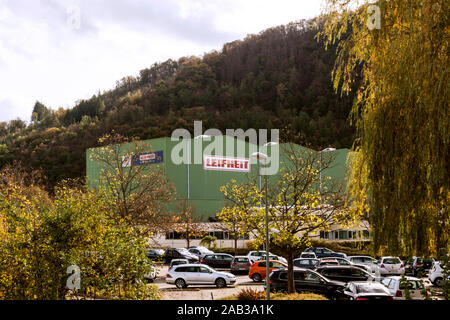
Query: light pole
{"x": 261, "y": 156}
{"x": 320, "y": 170}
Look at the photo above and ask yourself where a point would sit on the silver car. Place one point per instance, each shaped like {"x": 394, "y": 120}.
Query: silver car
{"x": 198, "y": 274}
{"x": 368, "y": 261}
{"x": 391, "y": 266}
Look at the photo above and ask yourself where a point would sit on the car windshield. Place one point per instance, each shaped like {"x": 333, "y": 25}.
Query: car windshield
{"x": 183, "y": 251}
{"x": 391, "y": 261}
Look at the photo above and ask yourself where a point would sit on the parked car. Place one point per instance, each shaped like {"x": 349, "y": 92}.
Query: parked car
{"x": 200, "y": 252}
{"x": 368, "y": 261}
{"x": 416, "y": 264}
{"x": 367, "y": 291}
{"x": 154, "y": 253}
{"x": 257, "y": 270}
{"x": 218, "y": 260}
{"x": 345, "y": 273}
{"x": 391, "y": 266}
{"x": 310, "y": 255}
{"x": 306, "y": 263}
{"x": 240, "y": 263}
{"x": 176, "y": 262}
{"x": 325, "y": 253}
{"x": 397, "y": 288}
{"x": 327, "y": 262}
{"x": 279, "y": 258}
{"x": 436, "y": 274}
{"x": 179, "y": 253}
{"x": 258, "y": 255}
{"x": 308, "y": 281}
{"x": 198, "y": 274}
{"x": 342, "y": 262}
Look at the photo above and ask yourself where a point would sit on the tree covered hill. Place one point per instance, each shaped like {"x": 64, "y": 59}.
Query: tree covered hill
{"x": 279, "y": 78}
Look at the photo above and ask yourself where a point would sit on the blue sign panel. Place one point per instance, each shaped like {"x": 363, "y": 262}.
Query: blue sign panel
{"x": 143, "y": 159}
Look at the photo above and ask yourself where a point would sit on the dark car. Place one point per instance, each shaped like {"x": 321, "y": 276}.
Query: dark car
{"x": 218, "y": 260}
{"x": 306, "y": 280}
{"x": 155, "y": 254}
{"x": 306, "y": 263}
{"x": 416, "y": 264}
{"x": 367, "y": 291}
{"x": 325, "y": 253}
{"x": 345, "y": 273}
{"x": 179, "y": 253}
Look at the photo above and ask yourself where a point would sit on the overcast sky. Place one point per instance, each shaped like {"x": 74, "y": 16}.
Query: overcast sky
{"x": 59, "y": 51}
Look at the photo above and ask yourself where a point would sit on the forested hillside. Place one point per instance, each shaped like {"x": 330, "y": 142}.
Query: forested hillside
{"x": 276, "y": 79}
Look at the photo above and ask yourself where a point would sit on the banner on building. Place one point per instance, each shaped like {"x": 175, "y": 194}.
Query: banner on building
{"x": 221, "y": 163}
{"x": 142, "y": 159}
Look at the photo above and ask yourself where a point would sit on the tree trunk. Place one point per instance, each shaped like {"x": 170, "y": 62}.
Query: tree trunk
{"x": 291, "y": 284}
{"x": 235, "y": 244}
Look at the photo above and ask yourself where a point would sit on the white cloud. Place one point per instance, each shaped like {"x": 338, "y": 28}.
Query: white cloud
{"x": 44, "y": 57}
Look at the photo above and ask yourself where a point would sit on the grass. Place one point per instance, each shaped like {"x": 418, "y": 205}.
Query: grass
{"x": 251, "y": 294}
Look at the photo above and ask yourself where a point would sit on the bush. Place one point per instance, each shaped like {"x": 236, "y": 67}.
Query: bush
{"x": 41, "y": 237}
{"x": 250, "y": 294}
{"x": 297, "y": 296}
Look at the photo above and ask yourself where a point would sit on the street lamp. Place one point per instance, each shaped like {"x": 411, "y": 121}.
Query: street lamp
{"x": 320, "y": 170}
{"x": 261, "y": 156}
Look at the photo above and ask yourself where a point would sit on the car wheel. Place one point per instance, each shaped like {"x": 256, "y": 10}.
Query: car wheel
{"x": 438, "y": 282}
{"x": 220, "y": 283}
{"x": 180, "y": 283}
{"x": 256, "y": 277}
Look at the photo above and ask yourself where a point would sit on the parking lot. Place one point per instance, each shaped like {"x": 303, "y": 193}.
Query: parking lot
{"x": 170, "y": 292}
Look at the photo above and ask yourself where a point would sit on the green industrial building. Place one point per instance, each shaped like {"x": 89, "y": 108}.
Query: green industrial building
{"x": 199, "y": 182}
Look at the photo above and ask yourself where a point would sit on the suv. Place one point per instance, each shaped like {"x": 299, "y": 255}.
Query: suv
{"x": 416, "y": 264}
{"x": 326, "y": 253}
{"x": 198, "y": 274}
{"x": 176, "y": 253}
{"x": 345, "y": 273}
{"x": 307, "y": 280}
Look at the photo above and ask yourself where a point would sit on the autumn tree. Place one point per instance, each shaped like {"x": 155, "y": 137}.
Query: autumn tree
{"x": 399, "y": 50}
{"x": 241, "y": 213}
{"x": 187, "y": 222}
{"x": 298, "y": 207}
{"x": 141, "y": 191}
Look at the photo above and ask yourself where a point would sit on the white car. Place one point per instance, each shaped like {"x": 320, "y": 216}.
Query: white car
{"x": 200, "y": 252}
{"x": 368, "y": 261}
{"x": 396, "y": 288}
{"x": 389, "y": 266}
{"x": 258, "y": 255}
{"x": 307, "y": 255}
{"x": 436, "y": 274}
{"x": 198, "y": 274}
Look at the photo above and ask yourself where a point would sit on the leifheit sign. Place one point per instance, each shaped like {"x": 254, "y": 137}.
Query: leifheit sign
{"x": 221, "y": 163}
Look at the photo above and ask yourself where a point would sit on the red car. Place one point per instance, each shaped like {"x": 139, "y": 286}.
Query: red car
{"x": 258, "y": 270}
